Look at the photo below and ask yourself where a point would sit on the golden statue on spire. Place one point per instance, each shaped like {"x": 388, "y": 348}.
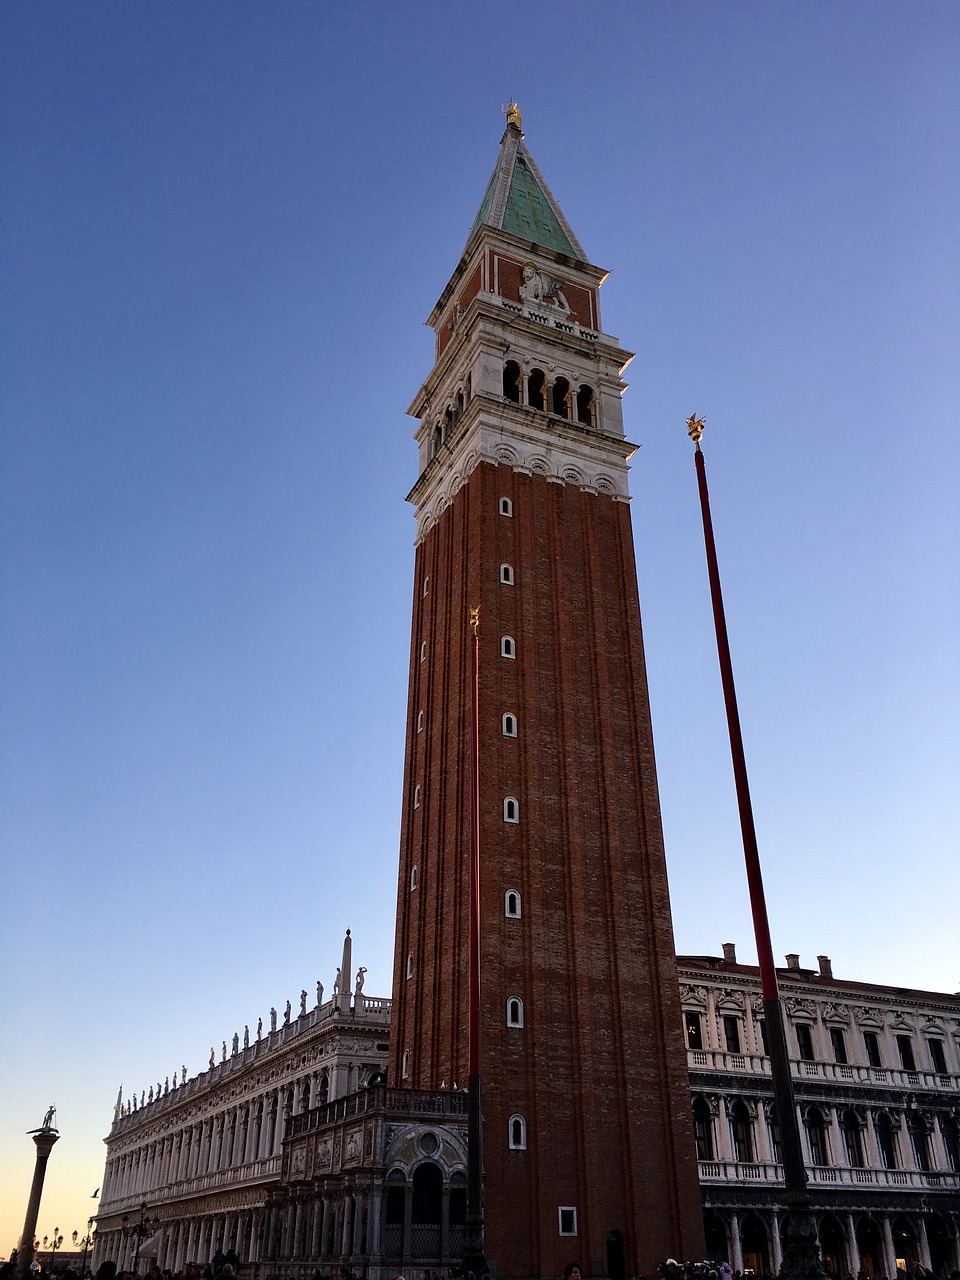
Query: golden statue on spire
{"x": 512, "y": 112}
{"x": 695, "y": 427}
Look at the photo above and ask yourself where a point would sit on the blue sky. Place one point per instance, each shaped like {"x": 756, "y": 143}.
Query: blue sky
{"x": 222, "y": 228}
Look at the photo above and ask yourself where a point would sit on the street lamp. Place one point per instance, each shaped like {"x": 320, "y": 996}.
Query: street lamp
{"x": 53, "y": 1243}
{"x": 86, "y": 1242}
{"x": 142, "y": 1230}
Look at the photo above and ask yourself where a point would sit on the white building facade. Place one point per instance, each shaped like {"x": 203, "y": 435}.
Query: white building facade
{"x": 292, "y": 1151}
{"x": 200, "y": 1156}
{"x": 877, "y": 1078}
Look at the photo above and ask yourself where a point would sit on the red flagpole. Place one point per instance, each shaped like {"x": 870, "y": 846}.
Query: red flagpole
{"x": 474, "y": 1252}
{"x": 801, "y": 1252}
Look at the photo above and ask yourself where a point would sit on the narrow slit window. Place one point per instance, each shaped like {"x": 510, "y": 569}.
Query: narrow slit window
{"x": 511, "y": 904}
{"x": 509, "y": 724}
{"x": 506, "y": 575}
{"x": 426, "y": 586}
{"x": 405, "y": 1069}
{"x": 416, "y": 797}
{"x": 511, "y": 810}
{"x": 413, "y": 877}
{"x": 506, "y": 507}
{"x": 419, "y": 722}
{"x": 410, "y": 965}
{"x": 423, "y": 651}
{"x": 514, "y": 1012}
{"x": 508, "y": 648}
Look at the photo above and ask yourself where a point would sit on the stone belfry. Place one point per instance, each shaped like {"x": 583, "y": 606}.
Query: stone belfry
{"x": 522, "y": 509}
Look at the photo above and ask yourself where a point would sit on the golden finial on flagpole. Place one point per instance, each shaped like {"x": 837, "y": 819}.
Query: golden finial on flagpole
{"x": 475, "y": 619}
{"x": 695, "y": 427}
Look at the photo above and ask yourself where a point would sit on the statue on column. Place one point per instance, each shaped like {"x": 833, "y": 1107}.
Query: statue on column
{"x": 361, "y": 974}
{"x": 286, "y": 1014}
{"x": 273, "y": 1019}
{"x": 246, "y": 1037}
{"x": 319, "y": 992}
{"x": 336, "y": 984}
{"x": 213, "y": 1056}
{"x": 259, "y": 1028}
{"x": 235, "y": 1045}
{"x": 303, "y": 1003}
{"x": 223, "y": 1056}
{"x": 48, "y": 1119}
{"x": 183, "y": 1074}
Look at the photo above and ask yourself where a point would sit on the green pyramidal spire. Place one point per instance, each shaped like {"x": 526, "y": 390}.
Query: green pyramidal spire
{"x": 518, "y": 200}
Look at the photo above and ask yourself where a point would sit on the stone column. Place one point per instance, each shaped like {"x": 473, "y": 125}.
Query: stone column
{"x": 776, "y": 1246}
{"x": 736, "y": 1245}
{"x": 43, "y": 1140}
{"x": 408, "y": 1219}
{"x": 889, "y": 1251}
{"x": 346, "y": 1225}
{"x": 923, "y": 1242}
{"x": 852, "y": 1246}
{"x": 374, "y": 1224}
{"x": 316, "y": 1222}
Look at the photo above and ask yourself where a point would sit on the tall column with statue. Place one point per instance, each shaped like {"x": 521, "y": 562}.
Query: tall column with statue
{"x": 43, "y": 1138}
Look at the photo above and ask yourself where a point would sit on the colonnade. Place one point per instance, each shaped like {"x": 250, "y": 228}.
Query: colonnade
{"x": 851, "y": 1243}
{"x": 727, "y": 1108}
{"x": 190, "y": 1239}
{"x": 332, "y": 1224}
{"x": 227, "y": 1139}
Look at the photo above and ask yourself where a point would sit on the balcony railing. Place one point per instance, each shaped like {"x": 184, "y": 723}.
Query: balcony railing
{"x": 420, "y": 1102}
{"x": 848, "y": 1073}
{"x": 713, "y": 1171}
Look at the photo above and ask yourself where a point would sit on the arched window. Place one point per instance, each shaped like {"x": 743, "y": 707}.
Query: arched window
{"x": 436, "y": 440}
{"x": 703, "y": 1128}
{"x": 517, "y": 1134}
{"x": 514, "y": 1012}
{"x": 852, "y": 1139}
{"x": 413, "y": 877}
{"x": 506, "y": 507}
{"x": 536, "y": 390}
{"x": 410, "y": 965}
{"x": 324, "y": 1095}
{"x": 511, "y": 810}
{"x": 585, "y": 412}
{"x": 511, "y": 381}
{"x": 507, "y": 647}
{"x": 817, "y": 1136}
{"x": 741, "y": 1131}
{"x": 460, "y": 403}
{"x": 423, "y": 651}
{"x": 560, "y": 398}
{"x": 416, "y": 797}
{"x": 509, "y": 724}
{"x": 511, "y": 904}
{"x": 886, "y": 1140}
{"x": 427, "y": 1200}
{"x": 419, "y": 722}
{"x": 506, "y": 574}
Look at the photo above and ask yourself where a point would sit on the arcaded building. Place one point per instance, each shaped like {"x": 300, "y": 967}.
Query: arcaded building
{"x": 876, "y": 1072}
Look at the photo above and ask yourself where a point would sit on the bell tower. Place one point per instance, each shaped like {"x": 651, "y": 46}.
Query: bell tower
{"x": 522, "y": 509}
